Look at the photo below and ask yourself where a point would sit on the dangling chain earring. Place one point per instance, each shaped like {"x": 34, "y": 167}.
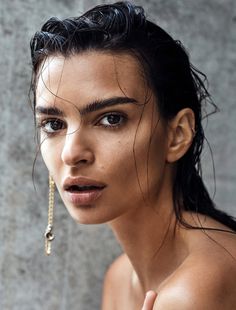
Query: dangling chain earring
{"x": 49, "y": 236}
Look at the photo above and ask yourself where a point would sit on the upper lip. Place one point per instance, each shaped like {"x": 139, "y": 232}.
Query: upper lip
{"x": 81, "y": 181}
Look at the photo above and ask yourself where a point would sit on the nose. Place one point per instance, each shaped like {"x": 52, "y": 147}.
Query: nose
{"x": 77, "y": 149}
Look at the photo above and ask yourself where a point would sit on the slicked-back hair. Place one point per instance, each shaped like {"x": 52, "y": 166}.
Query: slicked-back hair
{"x": 123, "y": 27}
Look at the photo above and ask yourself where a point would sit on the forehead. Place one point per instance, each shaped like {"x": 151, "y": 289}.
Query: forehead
{"x": 97, "y": 74}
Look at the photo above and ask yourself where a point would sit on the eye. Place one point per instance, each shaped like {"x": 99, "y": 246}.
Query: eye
{"x": 52, "y": 125}
{"x": 112, "y": 120}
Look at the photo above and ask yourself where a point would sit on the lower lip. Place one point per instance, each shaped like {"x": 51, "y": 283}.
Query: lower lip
{"x": 84, "y": 198}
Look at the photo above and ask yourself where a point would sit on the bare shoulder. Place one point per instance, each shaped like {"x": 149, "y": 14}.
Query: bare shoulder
{"x": 118, "y": 271}
{"x": 204, "y": 281}
{"x": 116, "y": 282}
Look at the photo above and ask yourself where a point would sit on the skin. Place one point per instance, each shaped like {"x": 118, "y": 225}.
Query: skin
{"x": 136, "y": 158}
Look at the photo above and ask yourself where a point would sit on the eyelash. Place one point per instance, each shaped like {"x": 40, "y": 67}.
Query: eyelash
{"x": 43, "y": 123}
{"x": 112, "y": 126}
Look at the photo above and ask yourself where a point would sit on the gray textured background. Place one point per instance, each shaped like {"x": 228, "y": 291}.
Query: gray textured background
{"x": 72, "y": 277}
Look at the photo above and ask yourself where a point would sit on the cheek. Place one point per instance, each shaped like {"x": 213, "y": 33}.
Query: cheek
{"x": 149, "y": 155}
{"x": 115, "y": 160}
{"x": 150, "y": 165}
{"x": 51, "y": 155}
{"x": 133, "y": 161}
{"x": 116, "y": 156}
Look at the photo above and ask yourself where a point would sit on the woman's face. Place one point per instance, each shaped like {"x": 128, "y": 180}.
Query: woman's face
{"x": 102, "y": 138}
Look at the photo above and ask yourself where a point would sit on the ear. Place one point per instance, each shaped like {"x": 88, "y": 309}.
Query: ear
{"x": 180, "y": 134}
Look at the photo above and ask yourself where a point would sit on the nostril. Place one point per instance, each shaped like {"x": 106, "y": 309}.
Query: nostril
{"x": 79, "y": 162}
{"x": 83, "y": 161}
{"x": 77, "y": 158}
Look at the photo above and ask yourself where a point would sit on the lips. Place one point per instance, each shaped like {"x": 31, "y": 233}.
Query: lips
{"x": 82, "y": 191}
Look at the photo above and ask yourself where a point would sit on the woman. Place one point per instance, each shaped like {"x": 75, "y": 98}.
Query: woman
{"x": 119, "y": 110}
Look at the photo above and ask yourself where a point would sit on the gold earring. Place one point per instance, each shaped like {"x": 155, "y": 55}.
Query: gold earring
{"x": 49, "y": 236}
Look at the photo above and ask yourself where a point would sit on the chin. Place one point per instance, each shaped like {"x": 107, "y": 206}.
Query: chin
{"x": 87, "y": 215}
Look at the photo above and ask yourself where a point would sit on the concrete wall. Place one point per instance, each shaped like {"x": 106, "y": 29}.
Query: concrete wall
{"x": 72, "y": 277}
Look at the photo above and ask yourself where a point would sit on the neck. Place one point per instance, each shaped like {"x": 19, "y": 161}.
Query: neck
{"x": 155, "y": 249}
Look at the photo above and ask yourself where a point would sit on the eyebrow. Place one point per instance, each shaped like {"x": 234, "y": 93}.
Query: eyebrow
{"x": 49, "y": 111}
{"x": 101, "y": 104}
{"x": 91, "y": 107}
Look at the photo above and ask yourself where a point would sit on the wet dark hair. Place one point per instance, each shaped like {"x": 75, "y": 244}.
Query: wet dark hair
{"x": 123, "y": 27}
